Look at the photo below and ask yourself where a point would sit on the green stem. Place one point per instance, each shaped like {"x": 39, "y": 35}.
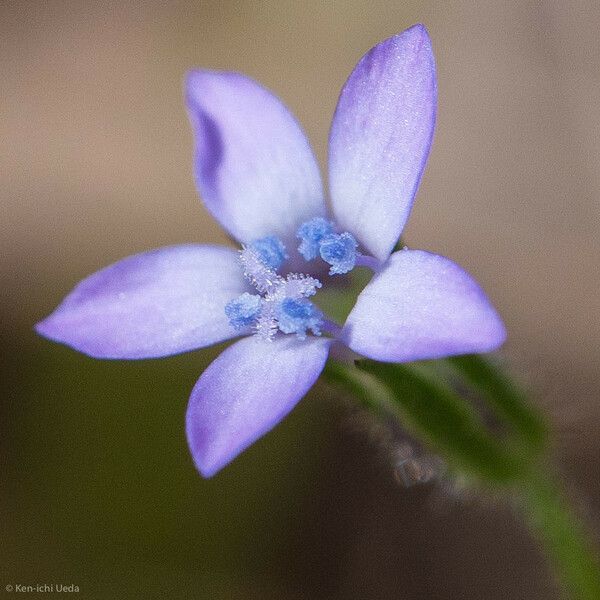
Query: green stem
{"x": 438, "y": 416}
{"x": 503, "y": 397}
{"x": 562, "y": 536}
{"x": 352, "y": 381}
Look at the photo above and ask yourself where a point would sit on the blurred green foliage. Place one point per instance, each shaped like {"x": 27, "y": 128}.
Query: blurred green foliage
{"x": 100, "y": 490}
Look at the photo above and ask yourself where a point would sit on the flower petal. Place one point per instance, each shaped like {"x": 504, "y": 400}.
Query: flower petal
{"x": 245, "y": 392}
{"x": 254, "y": 166}
{"x": 157, "y": 303}
{"x": 380, "y": 139}
{"x": 422, "y": 306}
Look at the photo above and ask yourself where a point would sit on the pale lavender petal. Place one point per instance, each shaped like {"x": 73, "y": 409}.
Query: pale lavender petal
{"x": 245, "y": 392}
{"x": 254, "y": 168}
{"x": 422, "y": 306}
{"x": 157, "y": 303}
{"x": 380, "y": 139}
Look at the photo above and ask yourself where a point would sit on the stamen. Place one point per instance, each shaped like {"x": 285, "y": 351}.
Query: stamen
{"x": 299, "y": 316}
{"x": 331, "y": 327}
{"x": 339, "y": 250}
{"x": 263, "y": 278}
{"x": 244, "y": 310}
{"x": 270, "y": 250}
{"x": 266, "y": 324}
{"x": 282, "y": 304}
{"x": 293, "y": 289}
{"x": 364, "y": 260}
{"x": 310, "y": 235}
{"x": 298, "y": 285}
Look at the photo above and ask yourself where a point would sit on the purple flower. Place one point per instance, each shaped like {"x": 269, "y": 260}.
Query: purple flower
{"x": 258, "y": 177}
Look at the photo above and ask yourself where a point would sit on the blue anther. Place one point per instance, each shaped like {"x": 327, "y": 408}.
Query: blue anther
{"x": 271, "y": 251}
{"x": 310, "y": 235}
{"x": 244, "y": 310}
{"x": 299, "y": 315}
{"x": 340, "y": 252}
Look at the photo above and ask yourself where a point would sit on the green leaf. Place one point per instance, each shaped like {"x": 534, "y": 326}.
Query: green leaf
{"x": 435, "y": 413}
{"x": 503, "y": 397}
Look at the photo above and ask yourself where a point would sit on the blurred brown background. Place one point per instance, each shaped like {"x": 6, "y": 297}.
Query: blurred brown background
{"x": 95, "y": 153}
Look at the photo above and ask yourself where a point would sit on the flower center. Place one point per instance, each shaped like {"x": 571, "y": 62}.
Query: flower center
{"x": 281, "y": 303}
